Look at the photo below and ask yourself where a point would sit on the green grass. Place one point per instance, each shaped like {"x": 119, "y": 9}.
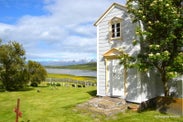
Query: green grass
{"x": 48, "y": 105}
{"x": 88, "y": 66}
{"x": 58, "y": 105}
{"x": 147, "y": 116}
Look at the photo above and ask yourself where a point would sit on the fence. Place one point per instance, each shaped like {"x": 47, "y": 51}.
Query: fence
{"x": 69, "y": 82}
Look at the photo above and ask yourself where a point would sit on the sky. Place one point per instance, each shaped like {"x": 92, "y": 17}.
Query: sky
{"x": 53, "y": 30}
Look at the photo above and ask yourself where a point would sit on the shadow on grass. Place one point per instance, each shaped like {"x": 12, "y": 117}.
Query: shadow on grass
{"x": 21, "y": 89}
{"x": 29, "y": 88}
{"x": 93, "y": 93}
{"x": 162, "y": 104}
{"x": 41, "y": 87}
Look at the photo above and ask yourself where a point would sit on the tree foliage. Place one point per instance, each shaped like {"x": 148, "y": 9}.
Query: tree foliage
{"x": 160, "y": 35}
{"x": 37, "y": 72}
{"x": 13, "y": 73}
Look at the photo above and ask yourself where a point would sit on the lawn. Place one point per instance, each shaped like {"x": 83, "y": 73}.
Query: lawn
{"x": 48, "y": 105}
{"x": 59, "y": 105}
{"x": 146, "y": 116}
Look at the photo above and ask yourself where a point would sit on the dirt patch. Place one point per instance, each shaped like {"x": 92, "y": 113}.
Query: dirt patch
{"x": 104, "y": 105}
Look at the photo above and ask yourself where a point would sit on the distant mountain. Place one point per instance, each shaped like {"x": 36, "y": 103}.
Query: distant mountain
{"x": 87, "y": 66}
{"x": 65, "y": 63}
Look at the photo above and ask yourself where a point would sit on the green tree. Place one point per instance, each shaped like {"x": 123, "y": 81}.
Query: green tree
{"x": 13, "y": 73}
{"x": 160, "y": 36}
{"x": 37, "y": 72}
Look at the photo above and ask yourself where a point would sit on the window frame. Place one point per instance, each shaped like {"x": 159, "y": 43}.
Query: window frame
{"x": 114, "y": 30}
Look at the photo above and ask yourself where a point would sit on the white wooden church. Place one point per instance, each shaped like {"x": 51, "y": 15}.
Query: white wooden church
{"x": 115, "y": 31}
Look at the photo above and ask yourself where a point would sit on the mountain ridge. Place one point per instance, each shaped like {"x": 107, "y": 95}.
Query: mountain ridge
{"x": 66, "y": 63}
{"x": 87, "y": 66}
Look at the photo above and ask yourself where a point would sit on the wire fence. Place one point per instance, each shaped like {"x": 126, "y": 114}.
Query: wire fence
{"x": 69, "y": 82}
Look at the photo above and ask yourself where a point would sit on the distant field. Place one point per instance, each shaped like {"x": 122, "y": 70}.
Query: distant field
{"x": 88, "y": 66}
{"x": 73, "y": 77}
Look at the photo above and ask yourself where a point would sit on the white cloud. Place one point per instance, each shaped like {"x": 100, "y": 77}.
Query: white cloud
{"x": 65, "y": 32}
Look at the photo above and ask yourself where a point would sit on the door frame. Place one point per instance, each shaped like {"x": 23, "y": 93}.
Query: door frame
{"x": 113, "y": 54}
{"x": 114, "y": 83}
{"x": 107, "y": 60}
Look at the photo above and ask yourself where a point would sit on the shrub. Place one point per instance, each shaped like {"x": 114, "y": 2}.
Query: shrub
{"x": 58, "y": 84}
{"x": 48, "y": 84}
{"x": 73, "y": 85}
{"x": 79, "y": 85}
{"x": 2, "y": 89}
{"x": 34, "y": 84}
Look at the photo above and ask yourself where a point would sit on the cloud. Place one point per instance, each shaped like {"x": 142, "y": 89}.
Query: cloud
{"x": 65, "y": 32}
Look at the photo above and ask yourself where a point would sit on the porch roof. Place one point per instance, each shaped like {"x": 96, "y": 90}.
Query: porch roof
{"x": 112, "y": 53}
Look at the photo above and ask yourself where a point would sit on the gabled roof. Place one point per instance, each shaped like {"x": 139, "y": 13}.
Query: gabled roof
{"x": 108, "y": 10}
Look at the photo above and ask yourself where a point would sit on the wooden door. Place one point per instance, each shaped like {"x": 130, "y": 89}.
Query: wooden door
{"x": 116, "y": 83}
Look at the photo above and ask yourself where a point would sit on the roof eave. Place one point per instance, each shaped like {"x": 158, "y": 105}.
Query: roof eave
{"x": 112, "y": 6}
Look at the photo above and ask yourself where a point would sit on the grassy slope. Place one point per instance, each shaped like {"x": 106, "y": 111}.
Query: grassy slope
{"x": 58, "y": 105}
{"x": 88, "y": 66}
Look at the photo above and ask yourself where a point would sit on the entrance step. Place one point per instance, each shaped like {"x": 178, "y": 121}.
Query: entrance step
{"x": 105, "y": 105}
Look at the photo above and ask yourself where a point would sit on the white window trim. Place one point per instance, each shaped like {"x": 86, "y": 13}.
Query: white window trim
{"x": 115, "y": 20}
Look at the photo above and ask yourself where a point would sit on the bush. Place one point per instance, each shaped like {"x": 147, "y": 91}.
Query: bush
{"x": 48, "y": 84}
{"x": 79, "y": 85}
{"x": 58, "y": 84}
{"x": 73, "y": 85}
{"x": 34, "y": 84}
{"x": 2, "y": 89}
